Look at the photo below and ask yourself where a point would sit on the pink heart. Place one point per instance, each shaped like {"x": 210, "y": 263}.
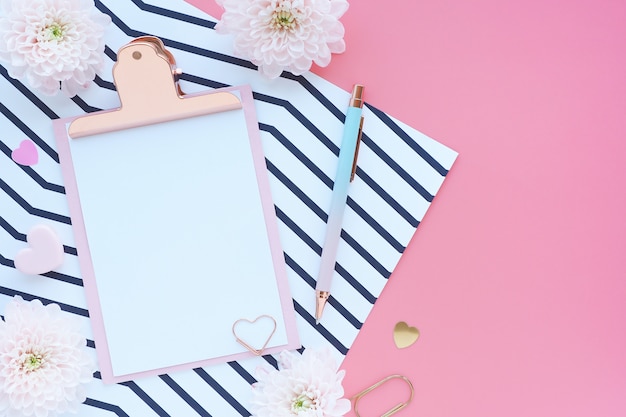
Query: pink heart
{"x": 45, "y": 252}
{"x": 26, "y": 153}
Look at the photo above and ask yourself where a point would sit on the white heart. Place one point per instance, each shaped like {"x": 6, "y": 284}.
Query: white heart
{"x": 44, "y": 254}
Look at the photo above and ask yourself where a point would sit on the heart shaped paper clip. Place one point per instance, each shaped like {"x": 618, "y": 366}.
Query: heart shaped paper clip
{"x": 393, "y": 410}
{"x": 243, "y": 343}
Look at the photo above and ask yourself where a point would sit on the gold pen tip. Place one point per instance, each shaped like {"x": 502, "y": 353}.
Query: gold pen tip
{"x": 320, "y": 301}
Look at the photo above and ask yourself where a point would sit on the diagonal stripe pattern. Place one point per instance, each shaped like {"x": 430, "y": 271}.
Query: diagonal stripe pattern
{"x": 300, "y": 117}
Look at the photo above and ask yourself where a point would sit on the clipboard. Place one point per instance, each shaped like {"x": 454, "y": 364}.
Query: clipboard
{"x": 174, "y": 223}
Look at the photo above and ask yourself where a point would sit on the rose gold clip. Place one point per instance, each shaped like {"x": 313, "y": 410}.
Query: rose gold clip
{"x": 259, "y": 351}
{"x": 146, "y": 79}
{"x": 395, "y": 409}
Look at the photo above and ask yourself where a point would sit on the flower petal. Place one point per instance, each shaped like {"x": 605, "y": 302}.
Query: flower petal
{"x": 284, "y": 34}
{"x": 42, "y": 365}
{"x": 52, "y": 39}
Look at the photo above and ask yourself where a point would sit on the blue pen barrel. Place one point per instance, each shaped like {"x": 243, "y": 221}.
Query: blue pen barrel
{"x": 339, "y": 196}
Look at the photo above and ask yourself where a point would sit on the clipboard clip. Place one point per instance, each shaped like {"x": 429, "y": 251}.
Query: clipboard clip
{"x": 163, "y": 53}
{"x": 394, "y": 409}
{"x": 146, "y": 78}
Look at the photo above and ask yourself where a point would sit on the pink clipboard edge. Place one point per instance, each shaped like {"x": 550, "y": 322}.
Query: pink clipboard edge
{"x": 86, "y": 265}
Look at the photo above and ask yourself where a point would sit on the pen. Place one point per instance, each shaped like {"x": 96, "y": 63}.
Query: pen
{"x": 346, "y": 169}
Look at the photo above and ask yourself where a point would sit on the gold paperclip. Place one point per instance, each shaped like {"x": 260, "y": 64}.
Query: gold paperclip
{"x": 259, "y": 351}
{"x": 395, "y": 409}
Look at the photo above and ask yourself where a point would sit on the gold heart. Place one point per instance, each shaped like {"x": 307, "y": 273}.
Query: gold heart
{"x": 404, "y": 335}
{"x": 243, "y": 343}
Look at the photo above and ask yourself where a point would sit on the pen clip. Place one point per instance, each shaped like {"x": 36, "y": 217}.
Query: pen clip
{"x": 356, "y": 150}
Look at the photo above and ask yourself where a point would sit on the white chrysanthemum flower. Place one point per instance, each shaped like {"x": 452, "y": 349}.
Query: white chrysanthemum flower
{"x": 279, "y": 35}
{"x": 52, "y": 42}
{"x": 44, "y": 362}
{"x": 305, "y": 386}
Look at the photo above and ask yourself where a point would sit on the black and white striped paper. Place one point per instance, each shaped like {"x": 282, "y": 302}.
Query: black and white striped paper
{"x": 301, "y": 120}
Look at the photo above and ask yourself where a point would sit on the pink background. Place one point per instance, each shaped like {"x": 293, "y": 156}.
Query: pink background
{"x": 517, "y": 277}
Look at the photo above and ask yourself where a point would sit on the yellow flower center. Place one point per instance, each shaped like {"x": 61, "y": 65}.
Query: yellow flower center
{"x": 53, "y": 32}
{"x": 303, "y": 402}
{"x": 32, "y": 362}
{"x": 284, "y": 19}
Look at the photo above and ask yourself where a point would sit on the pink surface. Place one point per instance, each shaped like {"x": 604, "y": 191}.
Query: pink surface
{"x": 517, "y": 277}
